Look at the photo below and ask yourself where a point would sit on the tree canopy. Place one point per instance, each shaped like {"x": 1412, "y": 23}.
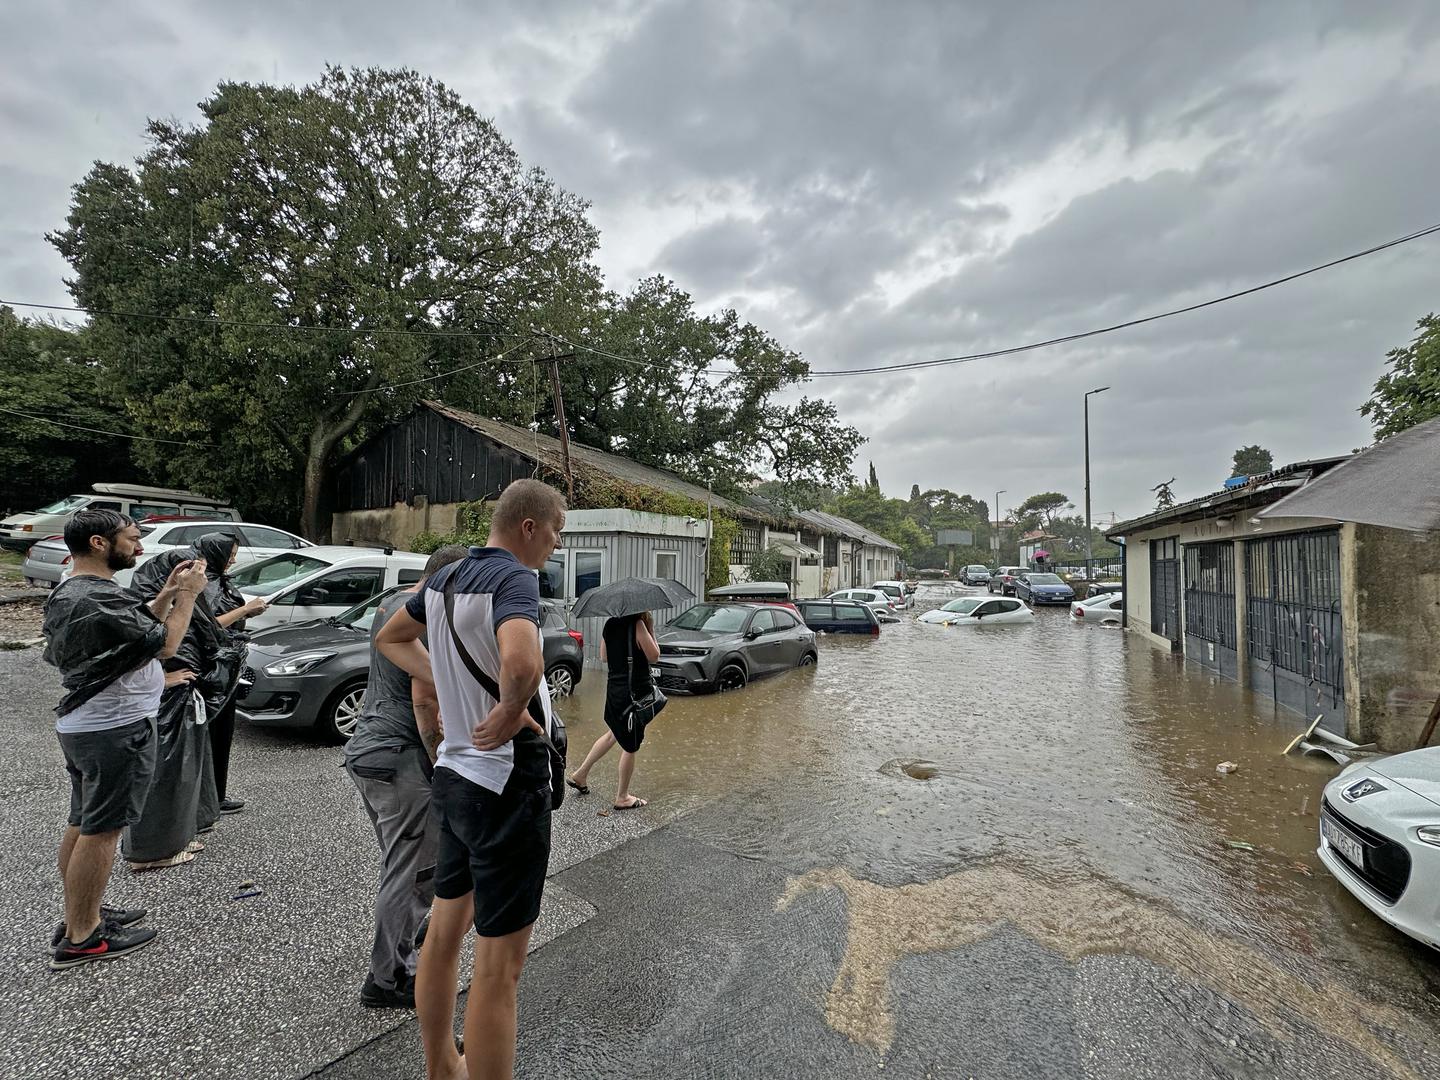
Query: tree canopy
{"x": 1410, "y": 391}
{"x": 329, "y": 254}
{"x": 1252, "y": 461}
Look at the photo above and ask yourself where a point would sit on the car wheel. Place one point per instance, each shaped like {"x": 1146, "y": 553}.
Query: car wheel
{"x": 808, "y": 660}
{"x": 561, "y": 681}
{"x": 732, "y": 677}
{"x": 341, "y": 714}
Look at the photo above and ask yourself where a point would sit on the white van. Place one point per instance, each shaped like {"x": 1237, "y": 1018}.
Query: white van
{"x": 19, "y": 531}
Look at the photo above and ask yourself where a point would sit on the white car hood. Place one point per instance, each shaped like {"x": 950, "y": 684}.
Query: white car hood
{"x": 1418, "y": 771}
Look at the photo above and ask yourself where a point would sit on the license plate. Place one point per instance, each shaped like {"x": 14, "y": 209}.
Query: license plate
{"x": 1343, "y": 842}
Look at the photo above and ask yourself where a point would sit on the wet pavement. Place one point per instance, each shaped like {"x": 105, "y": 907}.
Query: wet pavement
{"x": 1050, "y": 894}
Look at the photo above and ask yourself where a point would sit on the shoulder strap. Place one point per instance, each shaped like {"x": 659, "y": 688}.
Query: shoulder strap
{"x": 479, "y": 674}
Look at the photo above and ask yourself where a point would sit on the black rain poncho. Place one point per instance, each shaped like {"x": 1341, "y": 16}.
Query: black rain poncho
{"x": 95, "y": 631}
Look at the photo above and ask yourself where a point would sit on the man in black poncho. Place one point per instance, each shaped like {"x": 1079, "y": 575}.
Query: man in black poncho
{"x": 107, "y": 644}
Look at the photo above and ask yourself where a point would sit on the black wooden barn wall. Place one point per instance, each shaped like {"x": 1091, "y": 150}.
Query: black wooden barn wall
{"x": 427, "y": 454}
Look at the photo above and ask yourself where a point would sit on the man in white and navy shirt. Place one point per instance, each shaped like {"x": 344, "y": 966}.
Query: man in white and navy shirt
{"x": 491, "y": 792}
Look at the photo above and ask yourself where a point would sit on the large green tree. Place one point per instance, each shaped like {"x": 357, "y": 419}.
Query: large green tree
{"x": 1042, "y": 511}
{"x": 46, "y": 375}
{"x": 1410, "y": 391}
{"x": 1252, "y": 461}
{"x": 364, "y": 206}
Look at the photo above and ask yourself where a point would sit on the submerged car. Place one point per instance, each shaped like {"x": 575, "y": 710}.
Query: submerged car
{"x": 1003, "y": 580}
{"x": 1380, "y": 838}
{"x": 975, "y": 575}
{"x": 896, "y": 591}
{"x": 1042, "y": 588}
{"x": 314, "y": 674}
{"x": 839, "y": 616}
{"x": 1100, "y": 608}
{"x": 973, "y": 610}
{"x": 878, "y": 601}
{"x": 723, "y": 646}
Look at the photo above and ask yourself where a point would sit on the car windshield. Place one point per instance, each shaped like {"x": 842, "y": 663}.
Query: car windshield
{"x": 65, "y": 505}
{"x": 977, "y": 569}
{"x": 362, "y": 616}
{"x": 893, "y": 590}
{"x": 1043, "y": 579}
{"x": 964, "y": 607}
{"x": 713, "y": 618}
{"x": 273, "y": 574}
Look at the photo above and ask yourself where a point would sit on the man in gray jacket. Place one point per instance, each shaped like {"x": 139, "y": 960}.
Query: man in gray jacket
{"x": 390, "y": 758}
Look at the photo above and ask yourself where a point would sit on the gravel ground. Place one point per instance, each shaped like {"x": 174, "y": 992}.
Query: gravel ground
{"x": 260, "y": 988}
{"x": 20, "y": 619}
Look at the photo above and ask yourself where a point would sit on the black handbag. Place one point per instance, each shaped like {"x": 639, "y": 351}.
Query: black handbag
{"x": 646, "y": 706}
{"x": 557, "y": 743}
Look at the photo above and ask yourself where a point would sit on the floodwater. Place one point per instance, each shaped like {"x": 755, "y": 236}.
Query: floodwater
{"x": 1055, "y": 776}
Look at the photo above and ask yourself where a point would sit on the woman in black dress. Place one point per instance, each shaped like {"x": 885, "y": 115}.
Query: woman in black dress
{"x": 627, "y": 645}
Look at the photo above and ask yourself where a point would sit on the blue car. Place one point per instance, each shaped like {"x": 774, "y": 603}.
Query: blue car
{"x": 1036, "y": 589}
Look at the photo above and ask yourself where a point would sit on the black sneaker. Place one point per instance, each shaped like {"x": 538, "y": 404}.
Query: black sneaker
{"x": 424, "y": 929}
{"x": 375, "y": 996}
{"x": 106, "y": 943}
{"x": 232, "y": 806}
{"x": 109, "y": 916}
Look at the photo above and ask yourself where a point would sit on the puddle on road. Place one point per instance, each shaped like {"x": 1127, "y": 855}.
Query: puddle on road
{"x": 1069, "y": 750}
{"x": 1075, "y": 918}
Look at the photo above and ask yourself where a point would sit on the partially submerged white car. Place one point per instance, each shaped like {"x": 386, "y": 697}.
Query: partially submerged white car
{"x": 1380, "y": 838}
{"x": 974, "y": 610}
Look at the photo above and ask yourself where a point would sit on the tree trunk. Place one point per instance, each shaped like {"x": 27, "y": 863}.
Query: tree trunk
{"x": 314, "y": 518}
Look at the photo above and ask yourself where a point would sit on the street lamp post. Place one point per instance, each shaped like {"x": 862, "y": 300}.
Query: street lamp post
{"x": 1088, "y": 555}
{"x": 997, "y": 526}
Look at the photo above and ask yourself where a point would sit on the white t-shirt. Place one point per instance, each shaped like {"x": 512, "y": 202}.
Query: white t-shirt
{"x": 133, "y": 696}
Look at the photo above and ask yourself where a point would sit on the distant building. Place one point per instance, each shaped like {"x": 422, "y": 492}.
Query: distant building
{"x": 1330, "y": 619}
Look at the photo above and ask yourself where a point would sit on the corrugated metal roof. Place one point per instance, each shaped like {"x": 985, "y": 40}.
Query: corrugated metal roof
{"x": 834, "y": 523}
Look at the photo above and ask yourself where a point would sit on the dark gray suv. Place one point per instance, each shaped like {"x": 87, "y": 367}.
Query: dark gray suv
{"x": 724, "y": 646}
{"x": 314, "y": 674}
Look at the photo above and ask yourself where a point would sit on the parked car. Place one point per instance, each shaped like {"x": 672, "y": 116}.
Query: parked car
{"x": 882, "y": 603}
{"x": 314, "y": 674}
{"x": 975, "y": 575}
{"x": 723, "y": 646}
{"x": 1380, "y": 838}
{"x": 320, "y": 582}
{"x": 973, "y": 610}
{"x": 1003, "y": 580}
{"x": 19, "y": 531}
{"x": 47, "y": 561}
{"x": 1042, "y": 588}
{"x": 839, "y": 616}
{"x": 1095, "y": 588}
{"x": 754, "y": 592}
{"x": 1100, "y": 608}
{"x": 896, "y": 591}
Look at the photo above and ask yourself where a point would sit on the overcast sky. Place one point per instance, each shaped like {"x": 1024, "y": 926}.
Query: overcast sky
{"x": 880, "y": 183}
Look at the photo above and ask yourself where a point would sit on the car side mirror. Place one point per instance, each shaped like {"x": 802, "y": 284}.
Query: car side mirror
{"x": 753, "y": 633}
{"x": 317, "y": 595}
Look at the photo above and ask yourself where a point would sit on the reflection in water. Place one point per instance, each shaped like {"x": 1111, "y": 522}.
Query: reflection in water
{"x": 1075, "y": 752}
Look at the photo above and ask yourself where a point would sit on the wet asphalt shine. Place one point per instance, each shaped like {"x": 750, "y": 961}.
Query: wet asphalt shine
{"x": 968, "y": 852}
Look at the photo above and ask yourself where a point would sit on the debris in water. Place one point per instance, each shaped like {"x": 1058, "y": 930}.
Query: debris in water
{"x": 914, "y": 768}
{"x": 1301, "y": 868}
{"x": 1239, "y": 845}
{"x": 1226, "y": 767}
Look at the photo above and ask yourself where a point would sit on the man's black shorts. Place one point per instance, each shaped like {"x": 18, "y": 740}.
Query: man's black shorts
{"x": 497, "y": 846}
{"x": 110, "y": 773}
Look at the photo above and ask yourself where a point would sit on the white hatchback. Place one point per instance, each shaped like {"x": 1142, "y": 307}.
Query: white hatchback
{"x": 975, "y": 610}
{"x": 878, "y": 601}
{"x": 1380, "y": 837}
{"x": 1101, "y": 608}
{"x": 319, "y": 582}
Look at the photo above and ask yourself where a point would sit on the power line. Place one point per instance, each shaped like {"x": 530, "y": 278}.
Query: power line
{"x": 99, "y": 431}
{"x": 453, "y": 371}
{"x": 838, "y": 373}
{"x": 628, "y": 359}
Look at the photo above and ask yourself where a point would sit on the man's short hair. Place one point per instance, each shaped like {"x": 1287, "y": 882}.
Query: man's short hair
{"x": 444, "y": 557}
{"x": 527, "y": 499}
{"x": 87, "y": 523}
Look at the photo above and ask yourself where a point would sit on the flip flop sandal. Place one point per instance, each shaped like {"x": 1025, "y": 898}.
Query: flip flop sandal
{"x": 178, "y": 859}
{"x": 195, "y": 845}
{"x": 636, "y": 805}
{"x": 583, "y": 789}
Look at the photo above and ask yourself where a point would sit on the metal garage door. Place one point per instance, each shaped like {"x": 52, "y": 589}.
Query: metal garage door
{"x": 1210, "y": 607}
{"x": 1165, "y": 588}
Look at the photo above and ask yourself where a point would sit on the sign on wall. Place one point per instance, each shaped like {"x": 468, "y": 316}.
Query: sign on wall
{"x": 954, "y": 538}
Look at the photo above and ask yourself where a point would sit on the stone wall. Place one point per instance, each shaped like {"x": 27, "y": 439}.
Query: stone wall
{"x": 396, "y": 526}
{"x": 1393, "y": 657}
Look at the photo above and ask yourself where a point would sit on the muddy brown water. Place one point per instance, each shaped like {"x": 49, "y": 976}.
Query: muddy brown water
{"x": 1074, "y": 755}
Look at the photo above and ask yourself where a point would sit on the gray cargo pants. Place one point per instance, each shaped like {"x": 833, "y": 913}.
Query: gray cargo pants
{"x": 396, "y": 795}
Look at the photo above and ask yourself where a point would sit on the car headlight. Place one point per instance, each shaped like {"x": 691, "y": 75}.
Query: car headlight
{"x": 298, "y": 664}
{"x": 1429, "y": 833}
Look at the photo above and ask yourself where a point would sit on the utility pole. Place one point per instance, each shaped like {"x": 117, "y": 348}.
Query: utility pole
{"x": 1088, "y": 555}
{"x": 554, "y": 362}
{"x": 995, "y": 540}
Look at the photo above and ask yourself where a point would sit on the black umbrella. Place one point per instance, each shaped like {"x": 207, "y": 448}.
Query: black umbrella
{"x": 630, "y": 597}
